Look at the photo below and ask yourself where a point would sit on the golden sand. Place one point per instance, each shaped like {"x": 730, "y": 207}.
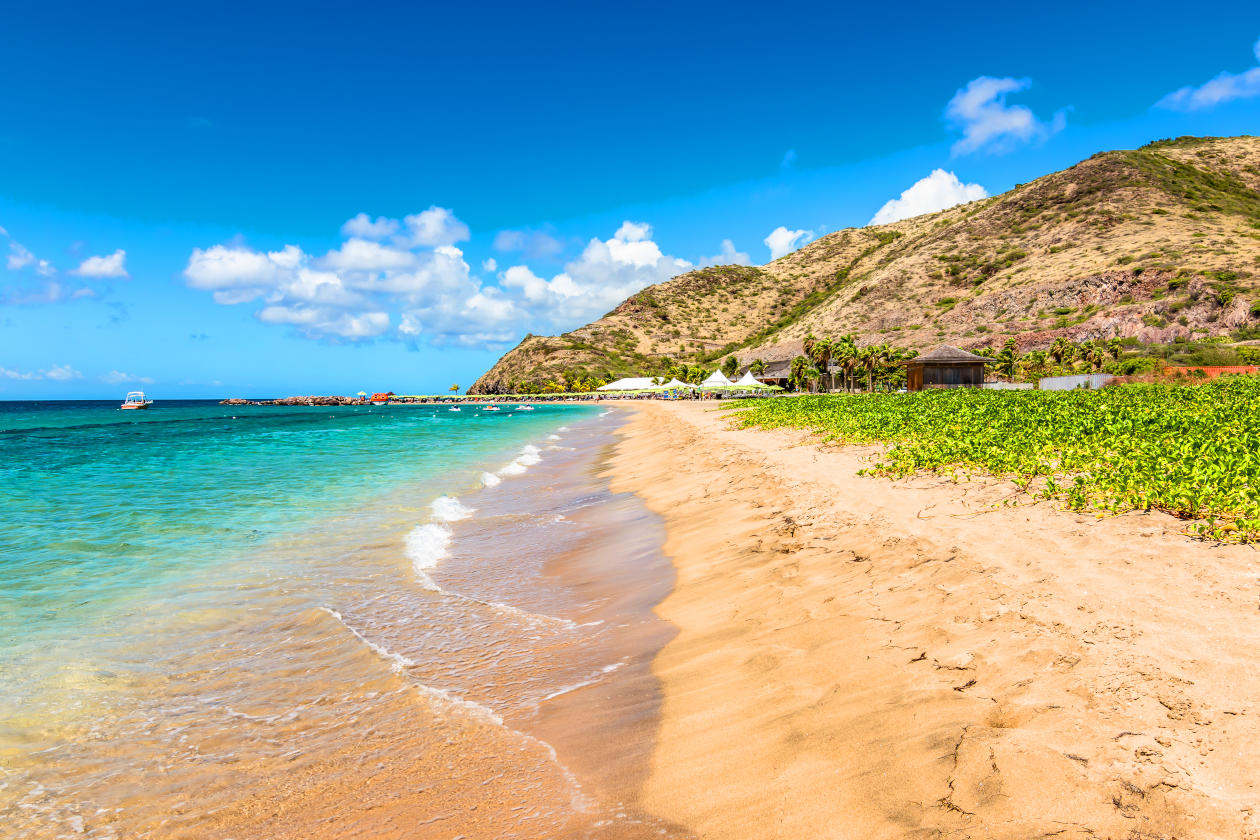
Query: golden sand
{"x": 864, "y": 658}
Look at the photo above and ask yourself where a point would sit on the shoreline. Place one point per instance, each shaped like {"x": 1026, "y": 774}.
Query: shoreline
{"x": 862, "y": 657}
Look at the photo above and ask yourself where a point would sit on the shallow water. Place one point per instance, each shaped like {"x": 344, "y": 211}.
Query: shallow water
{"x": 260, "y": 621}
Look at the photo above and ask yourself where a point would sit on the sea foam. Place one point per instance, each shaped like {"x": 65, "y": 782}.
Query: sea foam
{"x": 450, "y": 509}
{"x": 529, "y": 456}
{"x": 426, "y": 546}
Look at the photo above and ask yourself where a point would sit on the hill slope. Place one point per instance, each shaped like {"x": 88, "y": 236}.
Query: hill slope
{"x": 1156, "y": 243}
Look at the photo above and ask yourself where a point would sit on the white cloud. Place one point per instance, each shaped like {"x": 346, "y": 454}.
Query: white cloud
{"x": 937, "y": 191}
{"x": 19, "y": 257}
{"x": 789, "y": 159}
{"x": 57, "y": 373}
{"x": 727, "y": 256}
{"x": 782, "y": 241}
{"x": 987, "y": 123}
{"x": 607, "y": 272}
{"x": 365, "y": 289}
{"x": 238, "y": 275}
{"x": 362, "y": 227}
{"x": 111, "y": 266}
{"x": 320, "y": 320}
{"x": 1224, "y": 88}
{"x": 435, "y": 226}
{"x": 117, "y": 377}
{"x": 362, "y": 255}
{"x": 62, "y": 373}
{"x": 534, "y": 244}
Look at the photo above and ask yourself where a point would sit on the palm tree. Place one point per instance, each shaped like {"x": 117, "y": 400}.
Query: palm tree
{"x": 820, "y": 355}
{"x": 1008, "y": 359}
{"x": 1095, "y": 355}
{"x": 758, "y": 367}
{"x": 812, "y": 375}
{"x": 868, "y": 359}
{"x": 796, "y": 373}
{"x": 1115, "y": 347}
{"x": 1036, "y": 361}
{"x": 1059, "y": 350}
{"x": 844, "y": 350}
{"x": 730, "y": 365}
{"x": 807, "y": 346}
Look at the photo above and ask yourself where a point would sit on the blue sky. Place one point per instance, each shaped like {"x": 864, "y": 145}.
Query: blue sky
{"x": 181, "y": 185}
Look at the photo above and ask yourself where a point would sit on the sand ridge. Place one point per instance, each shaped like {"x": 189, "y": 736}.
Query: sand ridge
{"x": 858, "y": 657}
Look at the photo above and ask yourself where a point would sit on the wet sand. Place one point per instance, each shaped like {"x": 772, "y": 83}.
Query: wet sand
{"x": 858, "y": 657}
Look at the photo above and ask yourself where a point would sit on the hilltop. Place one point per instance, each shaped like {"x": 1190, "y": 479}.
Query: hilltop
{"x": 1156, "y": 244}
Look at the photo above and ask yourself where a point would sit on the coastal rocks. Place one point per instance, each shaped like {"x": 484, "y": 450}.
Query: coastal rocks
{"x": 307, "y": 401}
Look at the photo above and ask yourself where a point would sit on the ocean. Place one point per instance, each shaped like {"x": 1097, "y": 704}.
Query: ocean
{"x": 257, "y": 621}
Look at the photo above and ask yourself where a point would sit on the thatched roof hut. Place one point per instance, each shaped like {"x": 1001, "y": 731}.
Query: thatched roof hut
{"x": 945, "y": 367}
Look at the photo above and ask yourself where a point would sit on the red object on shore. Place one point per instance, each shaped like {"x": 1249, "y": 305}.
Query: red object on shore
{"x": 385, "y": 397}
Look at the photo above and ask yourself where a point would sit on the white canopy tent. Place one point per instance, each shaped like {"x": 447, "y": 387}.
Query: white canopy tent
{"x": 749, "y": 382}
{"x": 716, "y": 380}
{"x": 633, "y": 383}
{"x": 643, "y": 383}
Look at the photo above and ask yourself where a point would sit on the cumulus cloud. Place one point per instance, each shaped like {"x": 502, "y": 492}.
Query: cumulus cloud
{"x": 727, "y": 256}
{"x": 117, "y": 377}
{"x": 987, "y": 123}
{"x": 435, "y": 227}
{"x": 1224, "y": 88}
{"x": 418, "y": 286}
{"x": 533, "y": 244}
{"x": 937, "y": 191}
{"x": 607, "y": 272}
{"x": 363, "y": 227}
{"x": 782, "y": 241}
{"x": 57, "y": 373}
{"x": 111, "y": 266}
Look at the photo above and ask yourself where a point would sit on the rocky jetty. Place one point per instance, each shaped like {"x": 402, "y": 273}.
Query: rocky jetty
{"x": 308, "y": 400}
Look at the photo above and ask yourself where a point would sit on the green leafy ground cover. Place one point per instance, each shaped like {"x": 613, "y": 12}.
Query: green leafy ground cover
{"x": 1193, "y": 451}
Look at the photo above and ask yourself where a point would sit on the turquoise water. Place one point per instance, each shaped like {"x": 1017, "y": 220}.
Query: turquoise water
{"x": 101, "y": 506}
{"x": 109, "y": 514}
{"x": 220, "y": 622}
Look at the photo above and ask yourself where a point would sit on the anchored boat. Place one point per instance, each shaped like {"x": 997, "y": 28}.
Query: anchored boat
{"x": 136, "y": 399}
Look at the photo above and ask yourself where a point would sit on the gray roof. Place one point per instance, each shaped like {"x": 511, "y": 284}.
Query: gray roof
{"x": 946, "y": 353}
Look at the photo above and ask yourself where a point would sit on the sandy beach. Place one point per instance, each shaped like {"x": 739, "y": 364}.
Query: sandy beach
{"x": 858, "y": 657}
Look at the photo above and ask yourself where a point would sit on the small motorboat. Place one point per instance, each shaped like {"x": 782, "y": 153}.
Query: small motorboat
{"x": 453, "y": 408}
{"x": 134, "y": 400}
{"x": 524, "y": 408}
{"x": 490, "y": 408}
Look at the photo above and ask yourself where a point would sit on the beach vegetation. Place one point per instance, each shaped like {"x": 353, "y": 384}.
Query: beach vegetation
{"x": 1190, "y": 450}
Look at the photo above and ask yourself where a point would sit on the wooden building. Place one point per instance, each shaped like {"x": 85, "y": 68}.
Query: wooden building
{"x": 776, "y": 373}
{"x": 945, "y": 367}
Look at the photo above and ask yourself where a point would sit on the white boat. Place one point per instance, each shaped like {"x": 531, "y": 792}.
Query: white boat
{"x": 490, "y": 408}
{"x": 135, "y": 399}
{"x": 524, "y": 408}
{"x": 453, "y": 408}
